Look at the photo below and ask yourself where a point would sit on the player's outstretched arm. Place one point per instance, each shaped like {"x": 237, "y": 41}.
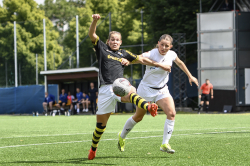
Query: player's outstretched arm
{"x": 92, "y": 28}
{"x": 149, "y": 62}
{"x": 184, "y": 68}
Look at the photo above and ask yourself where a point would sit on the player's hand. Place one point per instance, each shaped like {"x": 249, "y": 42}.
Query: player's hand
{"x": 165, "y": 67}
{"x": 200, "y": 96}
{"x": 194, "y": 80}
{"x": 96, "y": 17}
{"x": 212, "y": 97}
{"x": 125, "y": 62}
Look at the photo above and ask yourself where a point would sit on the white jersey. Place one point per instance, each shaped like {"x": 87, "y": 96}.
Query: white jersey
{"x": 155, "y": 76}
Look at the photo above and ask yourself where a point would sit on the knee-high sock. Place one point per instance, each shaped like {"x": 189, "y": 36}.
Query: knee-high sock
{"x": 128, "y": 127}
{"x": 139, "y": 101}
{"x": 207, "y": 106}
{"x": 168, "y": 129}
{"x": 97, "y": 135}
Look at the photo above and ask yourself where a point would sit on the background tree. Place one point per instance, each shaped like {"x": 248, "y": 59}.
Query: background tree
{"x": 173, "y": 16}
{"x": 29, "y": 38}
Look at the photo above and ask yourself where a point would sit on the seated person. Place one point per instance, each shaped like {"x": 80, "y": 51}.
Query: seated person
{"x": 85, "y": 102}
{"x": 71, "y": 99}
{"x": 63, "y": 98}
{"x": 78, "y": 99}
{"x": 49, "y": 100}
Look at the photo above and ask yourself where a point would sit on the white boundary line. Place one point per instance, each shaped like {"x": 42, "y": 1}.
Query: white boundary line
{"x": 117, "y": 132}
{"x": 53, "y": 143}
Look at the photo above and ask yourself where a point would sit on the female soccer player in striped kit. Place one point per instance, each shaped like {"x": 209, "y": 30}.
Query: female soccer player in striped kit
{"x": 111, "y": 61}
{"x": 153, "y": 88}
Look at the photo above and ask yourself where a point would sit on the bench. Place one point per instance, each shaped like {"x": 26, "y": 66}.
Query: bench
{"x": 56, "y": 110}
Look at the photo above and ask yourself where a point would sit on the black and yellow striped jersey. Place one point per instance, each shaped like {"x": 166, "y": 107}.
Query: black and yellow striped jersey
{"x": 110, "y": 67}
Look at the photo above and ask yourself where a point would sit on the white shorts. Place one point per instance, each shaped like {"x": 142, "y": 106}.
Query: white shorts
{"x": 106, "y": 100}
{"x": 153, "y": 95}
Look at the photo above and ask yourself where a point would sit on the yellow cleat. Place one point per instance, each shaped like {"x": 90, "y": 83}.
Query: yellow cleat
{"x": 167, "y": 148}
{"x": 121, "y": 142}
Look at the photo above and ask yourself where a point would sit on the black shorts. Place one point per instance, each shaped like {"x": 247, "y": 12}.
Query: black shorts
{"x": 76, "y": 102}
{"x": 62, "y": 103}
{"x": 205, "y": 97}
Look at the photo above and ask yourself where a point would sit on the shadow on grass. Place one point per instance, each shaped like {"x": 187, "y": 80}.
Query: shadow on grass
{"x": 75, "y": 161}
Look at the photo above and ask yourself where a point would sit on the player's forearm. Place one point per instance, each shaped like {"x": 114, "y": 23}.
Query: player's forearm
{"x": 92, "y": 30}
{"x": 200, "y": 91}
{"x": 212, "y": 92}
{"x": 149, "y": 62}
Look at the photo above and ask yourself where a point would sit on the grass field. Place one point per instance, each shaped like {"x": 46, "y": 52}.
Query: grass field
{"x": 205, "y": 139}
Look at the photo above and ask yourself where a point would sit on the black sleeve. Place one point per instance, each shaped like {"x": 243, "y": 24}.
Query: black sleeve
{"x": 98, "y": 44}
{"x": 130, "y": 56}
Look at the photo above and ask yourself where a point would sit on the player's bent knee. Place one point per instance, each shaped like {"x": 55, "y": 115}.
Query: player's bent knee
{"x": 172, "y": 114}
{"x": 132, "y": 90}
{"x": 126, "y": 98}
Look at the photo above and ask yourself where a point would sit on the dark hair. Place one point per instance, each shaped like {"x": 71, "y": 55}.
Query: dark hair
{"x": 111, "y": 33}
{"x": 207, "y": 80}
{"x": 165, "y": 37}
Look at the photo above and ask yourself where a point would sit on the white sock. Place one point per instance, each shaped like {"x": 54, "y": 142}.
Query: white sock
{"x": 78, "y": 110}
{"x": 128, "y": 127}
{"x": 62, "y": 109}
{"x": 168, "y": 129}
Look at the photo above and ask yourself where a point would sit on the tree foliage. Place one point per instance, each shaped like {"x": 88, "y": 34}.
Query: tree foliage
{"x": 173, "y": 16}
{"x": 160, "y": 17}
{"x": 29, "y": 30}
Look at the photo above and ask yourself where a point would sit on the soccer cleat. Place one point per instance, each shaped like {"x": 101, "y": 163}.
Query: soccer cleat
{"x": 167, "y": 148}
{"x": 121, "y": 142}
{"x": 92, "y": 154}
{"x": 152, "y": 108}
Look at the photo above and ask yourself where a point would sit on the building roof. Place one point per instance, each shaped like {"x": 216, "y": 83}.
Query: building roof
{"x": 66, "y": 71}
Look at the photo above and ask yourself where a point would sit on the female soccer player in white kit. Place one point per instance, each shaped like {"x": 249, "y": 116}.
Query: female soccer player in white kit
{"x": 153, "y": 88}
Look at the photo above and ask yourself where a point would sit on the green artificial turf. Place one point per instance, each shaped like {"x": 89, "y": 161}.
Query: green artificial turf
{"x": 205, "y": 139}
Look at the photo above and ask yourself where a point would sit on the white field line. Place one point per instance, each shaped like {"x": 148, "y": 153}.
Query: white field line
{"x": 70, "y": 142}
{"x": 117, "y": 132}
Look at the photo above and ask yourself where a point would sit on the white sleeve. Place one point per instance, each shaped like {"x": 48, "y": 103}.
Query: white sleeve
{"x": 72, "y": 97}
{"x": 174, "y": 56}
{"x": 146, "y": 54}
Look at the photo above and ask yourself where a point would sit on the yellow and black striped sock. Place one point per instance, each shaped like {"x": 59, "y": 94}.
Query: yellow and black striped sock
{"x": 97, "y": 135}
{"x": 139, "y": 101}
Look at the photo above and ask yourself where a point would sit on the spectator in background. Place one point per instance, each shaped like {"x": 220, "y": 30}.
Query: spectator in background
{"x": 226, "y": 6}
{"x": 71, "y": 99}
{"x": 85, "y": 102}
{"x": 78, "y": 100}
{"x": 204, "y": 94}
{"x": 49, "y": 100}
{"x": 93, "y": 92}
{"x": 63, "y": 99}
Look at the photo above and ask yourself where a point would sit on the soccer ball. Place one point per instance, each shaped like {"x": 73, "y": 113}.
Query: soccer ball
{"x": 121, "y": 87}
